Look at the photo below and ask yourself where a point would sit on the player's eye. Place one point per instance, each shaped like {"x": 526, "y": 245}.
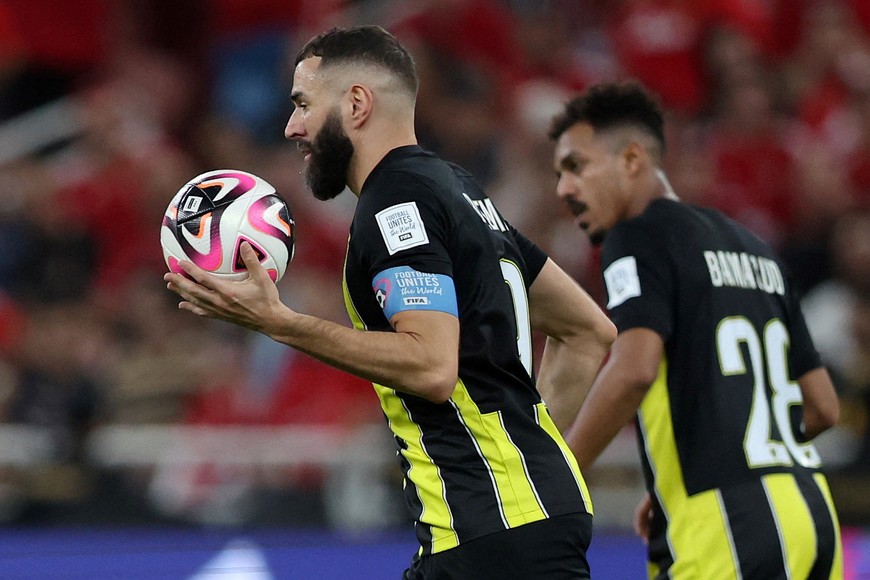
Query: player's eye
{"x": 577, "y": 167}
{"x": 571, "y": 166}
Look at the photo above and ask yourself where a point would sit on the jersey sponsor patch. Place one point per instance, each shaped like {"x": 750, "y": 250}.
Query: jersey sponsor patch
{"x": 622, "y": 281}
{"x": 404, "y": 288}
{"x": 402, "y": 227}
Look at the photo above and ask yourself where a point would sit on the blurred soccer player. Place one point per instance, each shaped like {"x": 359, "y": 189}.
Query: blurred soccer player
{"x": 712, "y": 355}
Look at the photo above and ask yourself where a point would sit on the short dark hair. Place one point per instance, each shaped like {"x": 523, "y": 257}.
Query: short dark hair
{"x": 370, "y": 45}
{"x": 608, "y": 105}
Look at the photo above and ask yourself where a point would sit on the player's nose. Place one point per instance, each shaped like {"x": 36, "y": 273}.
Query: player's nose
{"x": 565, "y": 188}
{"x": 294, "y": 129}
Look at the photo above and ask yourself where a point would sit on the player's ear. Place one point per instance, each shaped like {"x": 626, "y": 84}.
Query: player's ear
{"x": 359, "y": 102}
{"x": 634, "y": 157}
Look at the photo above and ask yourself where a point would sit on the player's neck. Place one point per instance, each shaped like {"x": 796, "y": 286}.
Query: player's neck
{"x": 370, "y": 152}
{"x": 655, "y": 186}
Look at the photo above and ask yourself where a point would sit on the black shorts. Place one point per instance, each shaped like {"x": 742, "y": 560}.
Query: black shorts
{"x": 550, "y": 549}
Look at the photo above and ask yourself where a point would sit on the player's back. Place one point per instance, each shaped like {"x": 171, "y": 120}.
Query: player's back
{"x": 737, "y": 347}
{"x": 720, "y": 427}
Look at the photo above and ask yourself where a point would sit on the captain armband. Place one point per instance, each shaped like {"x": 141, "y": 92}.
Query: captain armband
{"x": 404, "y": 288}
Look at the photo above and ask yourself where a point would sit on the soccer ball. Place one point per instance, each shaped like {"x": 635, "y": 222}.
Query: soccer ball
{"x": 213, "y": 213}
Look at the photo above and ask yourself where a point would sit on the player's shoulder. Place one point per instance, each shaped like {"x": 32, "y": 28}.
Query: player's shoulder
{"x": 667, "y": 212}
{"x": 405, "y": 174}
{"x": 670, "y": 221}
{"x": 650, "y": 227}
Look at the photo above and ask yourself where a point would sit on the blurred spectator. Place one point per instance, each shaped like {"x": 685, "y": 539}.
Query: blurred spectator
{"x": 12, "y": 325}
{"x": 248, "y": 51}
{"x": 47, "y": 257}
{"x": 51, "y": 49}
{"x": 479, "y": 33}
{"x": 831, "y": 306}
{"x": 660, "y": 42}
{"x": 57, "y": 387}
{"x": 565, "y": 41}
{"x": 12, "y": 61}
{"x": 468, "y": 61}
{"x": 752, "y": 166}
{"x": 160, "y": 360}
{"x": 54, "y": 390}
{"x": 859, "y": 379}
{"x": 858, "y": 161}
{"x": 829, "y": 63}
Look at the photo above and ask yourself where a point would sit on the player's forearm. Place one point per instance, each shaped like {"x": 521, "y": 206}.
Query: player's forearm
{"x": 399, "y": 360}
{"x": 821, "y": 405}
{"x": 566, "y": 375}
{"x": 612, "y": 403}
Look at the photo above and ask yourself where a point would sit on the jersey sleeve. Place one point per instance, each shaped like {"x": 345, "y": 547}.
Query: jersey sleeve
{"x": 405, "y": 225}
{"x": 534, "y": 256}
{"x": 401, "y": 237}
{"x": 639, "y": 279}
{"x": 803, "y": 356}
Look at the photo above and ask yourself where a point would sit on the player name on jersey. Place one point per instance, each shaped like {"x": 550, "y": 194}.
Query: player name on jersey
{"x": 487, "y": 212}
{"x": 742, "y": 270}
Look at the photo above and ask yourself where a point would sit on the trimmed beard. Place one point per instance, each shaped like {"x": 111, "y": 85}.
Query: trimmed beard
{"x": 331, "y": 152}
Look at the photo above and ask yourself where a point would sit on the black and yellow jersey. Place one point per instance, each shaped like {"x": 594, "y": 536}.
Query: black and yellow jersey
{"x": 490, "y": 458}
{"x": 736, "y": 487}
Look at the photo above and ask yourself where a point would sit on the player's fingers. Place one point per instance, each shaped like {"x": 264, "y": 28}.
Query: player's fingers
{"x": 640, "y": 527}
{"x": 641, "y": 520}
{"x": 190, "y": 291}
{"x": 252, "y": 261}
{"x": 186, "y": 296}
{"x": 173, "y": 284}
{"x": 196, "y": 273}
{"x": 190, "y": 307}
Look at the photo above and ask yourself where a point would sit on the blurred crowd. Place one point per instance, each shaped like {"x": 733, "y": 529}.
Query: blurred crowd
{"x": 107, "y": 107}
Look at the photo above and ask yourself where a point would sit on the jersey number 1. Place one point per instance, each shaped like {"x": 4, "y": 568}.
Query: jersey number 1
{"x": 762, "y": 449}
{"x": 514, "y": 279}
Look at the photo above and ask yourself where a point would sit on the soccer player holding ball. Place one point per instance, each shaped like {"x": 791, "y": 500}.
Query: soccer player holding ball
{"x": 443, "y": 294}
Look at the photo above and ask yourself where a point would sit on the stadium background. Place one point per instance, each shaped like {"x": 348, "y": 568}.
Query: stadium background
{"x": 139, "y": 442}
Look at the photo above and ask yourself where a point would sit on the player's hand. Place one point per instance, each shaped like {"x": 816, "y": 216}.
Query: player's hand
{"x": 252, "y": 302}
{"x": 642, "y": 518}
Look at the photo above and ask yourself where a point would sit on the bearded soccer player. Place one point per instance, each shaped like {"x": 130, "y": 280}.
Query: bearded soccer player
{"x": 443, "y": 294}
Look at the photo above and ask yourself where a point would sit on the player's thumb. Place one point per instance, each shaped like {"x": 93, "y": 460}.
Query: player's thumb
{"x": 252, "y": 261}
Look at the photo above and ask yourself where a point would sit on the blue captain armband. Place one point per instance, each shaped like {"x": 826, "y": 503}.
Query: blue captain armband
{"x": 404, "y": 288}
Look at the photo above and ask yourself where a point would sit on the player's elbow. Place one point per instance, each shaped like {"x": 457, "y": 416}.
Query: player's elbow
{"x": 604, "y": 333}
{"x": 438, "y": 392}
{"x": 638, "y": 379}
{"x": 641, "y": 381}
{"x": 438, "y": 387}
{"x": 597, "y": 337}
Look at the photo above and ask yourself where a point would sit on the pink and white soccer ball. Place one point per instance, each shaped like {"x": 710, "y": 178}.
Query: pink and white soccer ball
{"x": 213, "y": 213}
